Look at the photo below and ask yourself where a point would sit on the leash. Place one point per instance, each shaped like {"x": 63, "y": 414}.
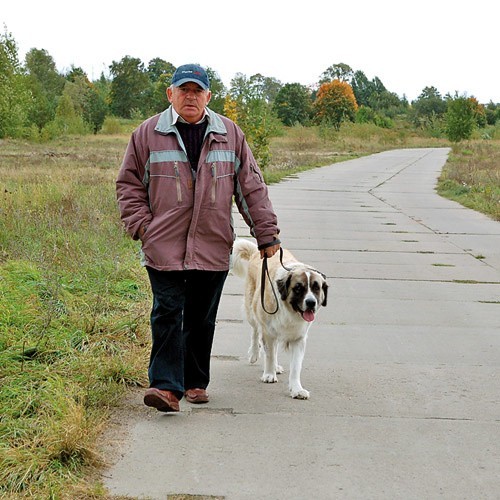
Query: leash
{"x": 265, "y": 271}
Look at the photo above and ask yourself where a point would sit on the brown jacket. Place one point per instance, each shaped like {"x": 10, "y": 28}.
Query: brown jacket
{"x": 187, "y": 213}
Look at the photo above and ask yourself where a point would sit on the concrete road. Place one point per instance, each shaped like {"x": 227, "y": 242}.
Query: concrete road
{"x": 403, "y": 364}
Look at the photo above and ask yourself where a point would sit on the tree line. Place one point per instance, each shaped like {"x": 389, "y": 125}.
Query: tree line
{"x": 38, "y": 102}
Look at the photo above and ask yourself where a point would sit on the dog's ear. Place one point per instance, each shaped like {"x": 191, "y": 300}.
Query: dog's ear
{"x": 325, "y": 293}
{"x": 283, "y": 286}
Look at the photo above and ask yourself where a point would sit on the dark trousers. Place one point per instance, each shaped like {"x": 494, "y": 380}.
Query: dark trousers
{"x": 185, "y": 305}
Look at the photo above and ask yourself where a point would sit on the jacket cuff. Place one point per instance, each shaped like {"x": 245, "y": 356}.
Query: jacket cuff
{"x": 270, "y": 244}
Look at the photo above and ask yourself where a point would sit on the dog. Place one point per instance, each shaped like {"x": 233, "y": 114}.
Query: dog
{"x": 293, "y": 294}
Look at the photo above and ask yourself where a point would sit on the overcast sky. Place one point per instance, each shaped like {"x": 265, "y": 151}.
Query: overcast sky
{"x": 409, "y": 45}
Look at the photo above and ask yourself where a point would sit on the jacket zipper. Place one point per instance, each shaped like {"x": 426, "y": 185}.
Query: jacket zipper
{"x": 214, "y": 181}
{"x": 178, "y": 182}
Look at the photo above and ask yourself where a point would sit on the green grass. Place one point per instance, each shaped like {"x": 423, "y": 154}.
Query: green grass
{"x": 73, "y": 326}
{"x": 472, "y": 177}
{"x": 74, "y": 302}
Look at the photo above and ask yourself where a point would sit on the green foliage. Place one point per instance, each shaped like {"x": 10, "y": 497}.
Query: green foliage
{"x": 373, "y": 94}
{"x": 492, "y": 113}
{"x": 30, "y": 96}
{"x": 73, "y": 319}
{"x": 293, "y": 104}
{"x": 159, "y": 68}
{"x": 460, "y": 118}
{"x": 15, "y": 98}
{"x": 257, "y": 87}
{"x": 254, "y": 113}
{"x": 368, "y": 115}
{"x": 428, "y": 109}
{"x": 218, "y": 91}
{"x": 46, "y": 85}
{"x": 128, "y": 87}
{"x": 340, "y": 71}
{"x": 259, "y": 125}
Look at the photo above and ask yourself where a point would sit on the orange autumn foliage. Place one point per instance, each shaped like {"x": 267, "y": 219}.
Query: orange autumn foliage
{"x": 335, "y": 103}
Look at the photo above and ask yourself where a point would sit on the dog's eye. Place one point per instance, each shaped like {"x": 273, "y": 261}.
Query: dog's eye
{"x": 298, "y": 288}
{"x": 315, "y": 286}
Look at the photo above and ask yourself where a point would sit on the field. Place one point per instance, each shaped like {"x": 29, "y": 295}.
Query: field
{"x": 74, "y": 302}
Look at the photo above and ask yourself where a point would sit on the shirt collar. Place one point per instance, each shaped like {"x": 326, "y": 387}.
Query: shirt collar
{"x": 178, "y": 118}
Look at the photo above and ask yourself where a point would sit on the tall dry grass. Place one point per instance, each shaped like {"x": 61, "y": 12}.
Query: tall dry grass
{"x": 73, "y": 310}
{"x": 472, "y": 176}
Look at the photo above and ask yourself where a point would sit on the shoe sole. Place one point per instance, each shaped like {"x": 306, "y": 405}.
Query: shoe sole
{"x": 196, "y": 401}
{"x": 160, "y": 404}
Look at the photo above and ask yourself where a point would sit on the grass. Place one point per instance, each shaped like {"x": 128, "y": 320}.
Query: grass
{"x": 472, "y": 177}
{"x": 73, "y": 328}
{"x": 74, "y": 302}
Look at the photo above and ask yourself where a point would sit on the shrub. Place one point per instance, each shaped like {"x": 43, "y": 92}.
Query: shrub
{"x": 460, "y": 118}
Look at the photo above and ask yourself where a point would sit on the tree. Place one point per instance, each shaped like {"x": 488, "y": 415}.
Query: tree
{"x": 340, "y": 71}
{"x": 69, "y": 116}
{"x": 362, "y": 88}
{"x": 158, "y": 68}
{"x": 15, "y": 98}
{"x": 46, "y": 86}
{"x": 335, "y": 103}
{"x": 428, "y": 107}
{"x": 218, "y": 91}
{"x": 88, "y": 102}
{"x": 374, "y": 95}
{"x": 244, "y": 89}
{"x": 479, "y": 112}
{"x": 293, "y": 104}
{"x": 460, "y": 118}
{"x": 128, "y": 87}
{"x": 254, "y": 113}
{"x": 492, "y": 113}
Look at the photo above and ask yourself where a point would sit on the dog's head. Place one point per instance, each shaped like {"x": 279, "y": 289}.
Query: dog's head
{"x": 305, "y": 290}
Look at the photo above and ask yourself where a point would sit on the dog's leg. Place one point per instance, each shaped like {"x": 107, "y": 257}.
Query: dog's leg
{"x": 297, "y": 351}
{"x": 270, "y": 346}
{"x": 254, "y": 349}
{"x": 279, "y": 368}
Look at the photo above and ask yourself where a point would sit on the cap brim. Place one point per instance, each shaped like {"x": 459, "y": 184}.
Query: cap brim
{"x": 194, "y": 80}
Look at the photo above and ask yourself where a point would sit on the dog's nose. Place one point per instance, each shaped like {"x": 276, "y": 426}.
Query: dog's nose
{"x": 310, "y": 303}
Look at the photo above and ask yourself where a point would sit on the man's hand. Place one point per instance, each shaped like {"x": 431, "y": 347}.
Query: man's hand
{"x": 269, "y": 251}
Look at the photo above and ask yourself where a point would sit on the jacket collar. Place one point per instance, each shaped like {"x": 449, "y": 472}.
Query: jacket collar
{"x": 166, "y": 126}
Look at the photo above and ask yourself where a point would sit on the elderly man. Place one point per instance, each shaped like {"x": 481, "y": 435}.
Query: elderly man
{"x": 181, "y": 170}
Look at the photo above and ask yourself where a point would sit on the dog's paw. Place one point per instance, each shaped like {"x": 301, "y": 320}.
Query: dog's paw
{"x": 253, "y": 355}
{"x": 253, "y": 358}
{"x": 269, "y": 378}
{"x": 299, "y": 394}
{"x": 279, "y": 369}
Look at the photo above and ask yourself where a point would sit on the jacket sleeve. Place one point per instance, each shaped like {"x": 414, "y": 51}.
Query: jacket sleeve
{"x": 252, "y": 198}
{"x": 131, "y": 192}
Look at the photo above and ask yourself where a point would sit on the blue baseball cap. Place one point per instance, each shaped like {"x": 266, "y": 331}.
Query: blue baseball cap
{"x": 191, "y": 73}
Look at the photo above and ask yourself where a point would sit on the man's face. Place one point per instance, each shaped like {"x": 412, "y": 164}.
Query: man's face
{"x": 189, "y": 100}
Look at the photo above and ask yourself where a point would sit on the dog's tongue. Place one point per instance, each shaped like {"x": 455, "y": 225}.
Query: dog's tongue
{"x": 308, "y": 316}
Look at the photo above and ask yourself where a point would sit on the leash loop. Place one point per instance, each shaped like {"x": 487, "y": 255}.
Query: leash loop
{"x": 265, "y": 271}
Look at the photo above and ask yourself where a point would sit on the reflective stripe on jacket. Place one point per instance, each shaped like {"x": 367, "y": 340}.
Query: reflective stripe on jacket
{"x": 188, "y": 213}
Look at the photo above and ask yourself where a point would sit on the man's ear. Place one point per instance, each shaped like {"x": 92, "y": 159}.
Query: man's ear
{"x": 209, "y": 96}
{"x": 169, "y": 94}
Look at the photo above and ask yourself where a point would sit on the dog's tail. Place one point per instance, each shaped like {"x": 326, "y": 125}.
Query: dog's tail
{"x": 243, "y": 250}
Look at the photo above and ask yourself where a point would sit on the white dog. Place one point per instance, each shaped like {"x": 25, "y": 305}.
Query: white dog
{"x": 297, "y": 291}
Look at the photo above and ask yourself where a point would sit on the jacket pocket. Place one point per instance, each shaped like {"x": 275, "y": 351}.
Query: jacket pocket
{"x": 220, "y": 177}
{"x": 166, "y": 186}
{"x": 214, "y": 182}
{"x": 178, "y": 182}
